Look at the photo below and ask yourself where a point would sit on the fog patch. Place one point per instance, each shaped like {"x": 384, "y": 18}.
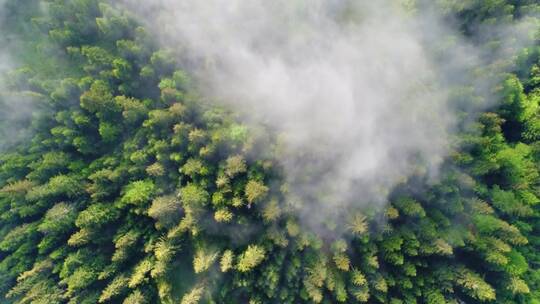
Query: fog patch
{"x": 363, "y": 94}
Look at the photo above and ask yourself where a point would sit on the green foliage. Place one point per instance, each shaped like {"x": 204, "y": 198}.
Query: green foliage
{"x": 134, "y": 190}
{"x": 166, "y": 210}
{"x": 117, "y": 286}
{"x": 226, "y": 262}
{"x": 474, "y": 286}
{"x": 194, "y": 296}
{"x": 250, "y": 258}
{"x": 255, "y": 191}
{"x": 59, "y": 219}
{"x": 192, "y": 195}
{"x": 97, "y": 215}
{"x": 235, "y": 165}
{"x": 139, "y": 192}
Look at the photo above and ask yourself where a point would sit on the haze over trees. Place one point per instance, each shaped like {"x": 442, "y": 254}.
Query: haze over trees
{"x": 121, "y": 182}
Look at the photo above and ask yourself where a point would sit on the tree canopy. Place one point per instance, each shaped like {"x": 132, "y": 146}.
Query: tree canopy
{"x": 130, "y": 188}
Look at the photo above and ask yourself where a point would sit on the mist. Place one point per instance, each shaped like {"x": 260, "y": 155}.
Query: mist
{"x": 361, "y": 93}
{"x": 18, "y": 105}
{"x": 7, "y": 133}
{"x": 5, "y": 60}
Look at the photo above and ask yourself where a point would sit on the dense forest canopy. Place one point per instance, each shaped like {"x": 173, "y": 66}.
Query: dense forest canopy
{"x": 140, "y": 163}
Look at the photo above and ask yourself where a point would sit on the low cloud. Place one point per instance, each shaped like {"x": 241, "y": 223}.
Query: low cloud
{"x": 362, "y": 93}
{"x": 17, "y": 107}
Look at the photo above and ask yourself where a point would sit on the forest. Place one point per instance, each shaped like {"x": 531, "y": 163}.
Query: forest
{"x": 123, "y": 180}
